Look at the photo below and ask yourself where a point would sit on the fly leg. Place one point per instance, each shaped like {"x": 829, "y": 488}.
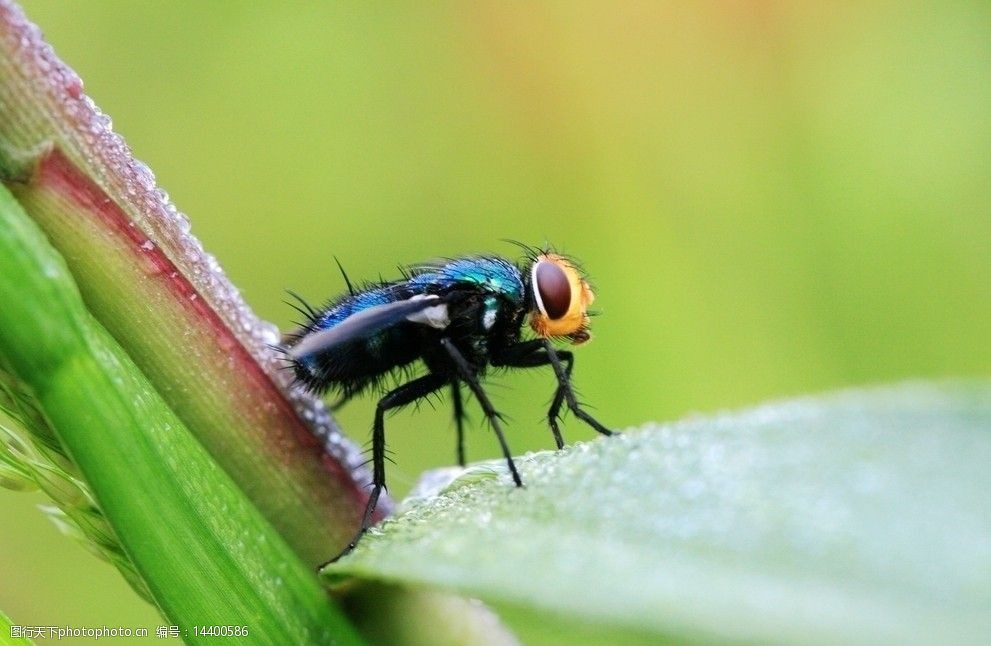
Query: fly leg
{"x": 467, "y": 373}
{"x": 459, "y": 419}
{"x": 540, "y": 352}
{"x": 405, "y": 394}
{"x": 565, "y": 391}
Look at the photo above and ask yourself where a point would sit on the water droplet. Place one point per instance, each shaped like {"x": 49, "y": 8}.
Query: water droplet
{"x": 212, "y": 264}
{"x": 267, "y": 333}
{"x": 143, "y": 174}
{"x": 193, "y": 248}
{"x": 51, "y": 270}
{"x": 71, "y": 83}
{"x": 71, "y": 109}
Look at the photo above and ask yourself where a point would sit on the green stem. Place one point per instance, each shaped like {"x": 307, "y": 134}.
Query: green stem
{"x": 207, "y": 554}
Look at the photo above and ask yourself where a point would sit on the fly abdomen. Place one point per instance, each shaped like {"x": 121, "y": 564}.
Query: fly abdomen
{"x": 352, "y": 366}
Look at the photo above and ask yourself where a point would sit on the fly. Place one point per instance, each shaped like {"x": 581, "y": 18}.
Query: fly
{"x": 458, "y": 317}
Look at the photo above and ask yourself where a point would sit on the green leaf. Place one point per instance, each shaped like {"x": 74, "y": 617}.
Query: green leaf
{"x": 31, "y": 457}
{"x": 9, "y": 635}
{"x": 204, "y": 550}
{"x": 861, "y": 516}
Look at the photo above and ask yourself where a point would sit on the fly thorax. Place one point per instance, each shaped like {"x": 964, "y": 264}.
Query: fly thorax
{"x": 435, "y": 316}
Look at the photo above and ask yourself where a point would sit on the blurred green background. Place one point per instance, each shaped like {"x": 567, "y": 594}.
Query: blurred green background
{"x": 771, "y": 198}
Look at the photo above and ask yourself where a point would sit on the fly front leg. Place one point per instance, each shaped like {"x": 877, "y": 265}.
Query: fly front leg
{"x": 405, "y": 394}
{"x": 540, "y": 352}
{"x": 566, "y": 391}
{"x": 467, "y": 373}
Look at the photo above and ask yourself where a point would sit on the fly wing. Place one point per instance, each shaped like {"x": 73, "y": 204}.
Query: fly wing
{"x": 423, "y": 309}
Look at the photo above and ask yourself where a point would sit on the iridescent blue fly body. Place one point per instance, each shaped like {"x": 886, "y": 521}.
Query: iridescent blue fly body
{"x": 457, "y": 317}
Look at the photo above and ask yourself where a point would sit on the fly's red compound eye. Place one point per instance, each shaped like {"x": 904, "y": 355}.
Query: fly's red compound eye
{"x": 560, "y": 299}
{"x": 552, "y": 288}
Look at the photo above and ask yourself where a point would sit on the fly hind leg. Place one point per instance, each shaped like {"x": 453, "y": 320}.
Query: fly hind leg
{"x": 405, "y": 394}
